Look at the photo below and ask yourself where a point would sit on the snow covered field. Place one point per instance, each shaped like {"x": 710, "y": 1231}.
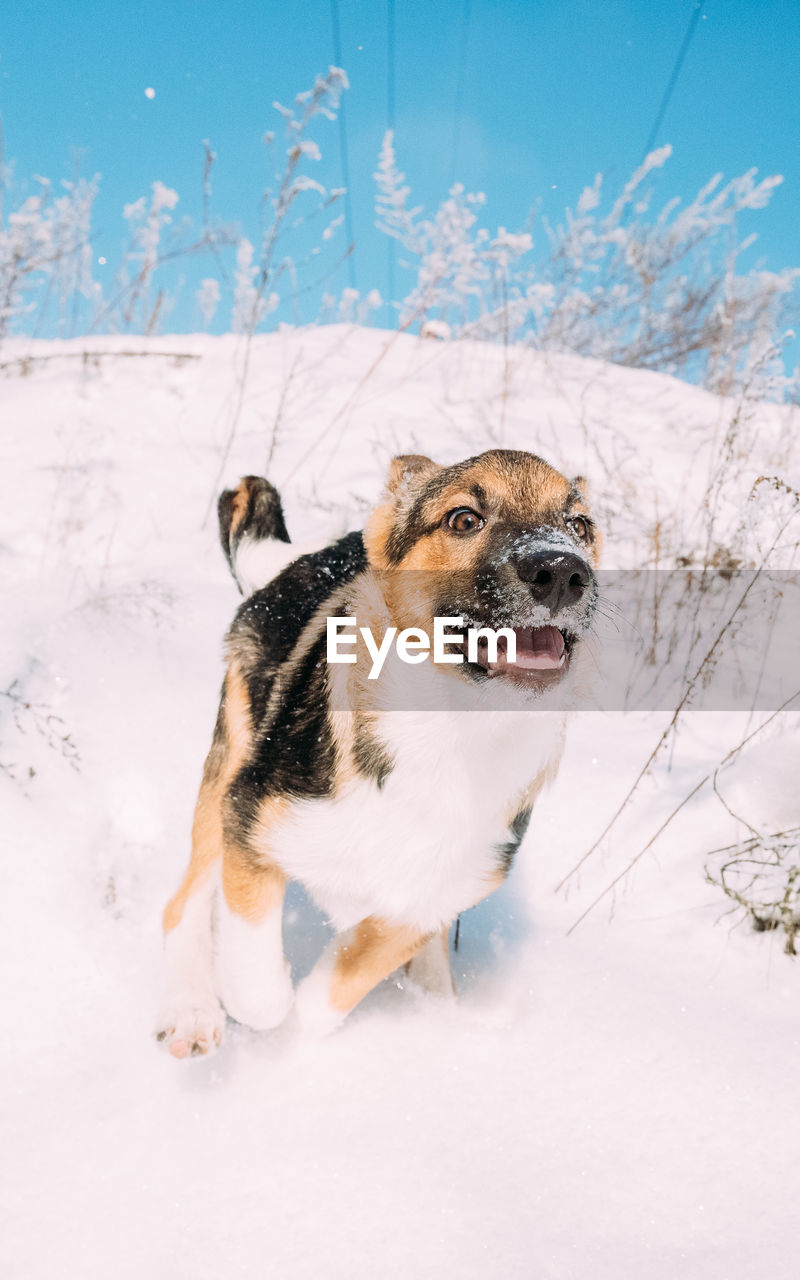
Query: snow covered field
{"x": 619, "y": 1102}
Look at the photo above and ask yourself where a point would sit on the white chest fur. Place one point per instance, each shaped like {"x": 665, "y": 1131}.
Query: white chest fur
{"x": 425, "y": 845}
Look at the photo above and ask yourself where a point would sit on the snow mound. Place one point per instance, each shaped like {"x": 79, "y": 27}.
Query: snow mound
{"x": 616, "y": 1102}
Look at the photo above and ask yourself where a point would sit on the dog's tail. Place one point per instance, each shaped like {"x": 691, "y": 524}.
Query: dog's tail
{"x": 253, "y": 533}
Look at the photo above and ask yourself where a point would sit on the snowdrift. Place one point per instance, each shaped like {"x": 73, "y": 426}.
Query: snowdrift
{"x": 616, "y": 1101}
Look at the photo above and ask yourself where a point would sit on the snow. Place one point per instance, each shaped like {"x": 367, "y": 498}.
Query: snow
{"x": 619, "y": 1101}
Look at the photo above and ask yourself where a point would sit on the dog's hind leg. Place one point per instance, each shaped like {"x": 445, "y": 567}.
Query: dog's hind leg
{"x": 430, "y": 967}
{"x": 191, "y": 1019}
{"x": 252, "y": 974}
{"x": 351, "y": 966}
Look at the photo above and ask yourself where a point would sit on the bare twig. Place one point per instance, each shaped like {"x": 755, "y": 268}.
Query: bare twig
{"x": 21, "y": 363}
{"x": 698, "y": 787}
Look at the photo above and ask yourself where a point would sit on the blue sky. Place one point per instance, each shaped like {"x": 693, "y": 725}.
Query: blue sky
{"x": 550, "y": 93}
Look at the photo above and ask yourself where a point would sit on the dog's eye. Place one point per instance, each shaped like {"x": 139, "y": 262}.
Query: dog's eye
{"x": 580, "y": 527}
{"x": 462, "y": 520}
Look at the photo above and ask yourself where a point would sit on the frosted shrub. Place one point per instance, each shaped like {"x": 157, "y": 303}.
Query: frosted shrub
{"x": 249, "y": 304}
{"x": 350, "y": 307}
{"x": 147, "y": 221}
{"x": 655, "y": 290}
{"x": 615, "y": 279}
{"x": 461, "y": 270}
{"x": 45, "y": 256}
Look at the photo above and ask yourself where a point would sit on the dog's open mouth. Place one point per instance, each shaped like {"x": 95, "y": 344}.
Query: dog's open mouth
{"x": 542, "y": 655}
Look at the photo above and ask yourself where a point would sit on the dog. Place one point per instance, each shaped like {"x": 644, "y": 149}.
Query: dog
{"x": 398, "y": 802}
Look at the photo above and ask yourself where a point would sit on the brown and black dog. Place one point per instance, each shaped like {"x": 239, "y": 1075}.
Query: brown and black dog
{"x": 400, "y": 801}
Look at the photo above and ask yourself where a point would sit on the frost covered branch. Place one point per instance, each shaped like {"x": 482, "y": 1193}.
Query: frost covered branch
{"x": 654, "y": 290}
{"x": 45, "y": 253}
{"x": 255, "y": 279}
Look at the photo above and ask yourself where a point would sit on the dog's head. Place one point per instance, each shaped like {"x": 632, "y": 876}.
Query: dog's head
{"x": 502, "y": 540}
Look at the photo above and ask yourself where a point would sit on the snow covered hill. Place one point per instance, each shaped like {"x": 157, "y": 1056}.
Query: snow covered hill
{"x": 616, "y": 1102}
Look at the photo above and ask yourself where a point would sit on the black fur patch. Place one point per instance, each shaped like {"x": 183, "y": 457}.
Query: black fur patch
{"x": 293, "y": 755}
{"x": 508, "y": 849}
{"x": 293, "y": 752}
{"x": 269, "y": 624}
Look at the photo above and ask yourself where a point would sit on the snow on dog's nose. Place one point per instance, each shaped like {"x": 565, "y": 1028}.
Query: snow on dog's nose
{"x": 556, "y": 578}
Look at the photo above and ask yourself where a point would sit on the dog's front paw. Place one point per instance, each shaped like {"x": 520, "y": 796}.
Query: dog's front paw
{"x": 261, "y": 1005}
{"x": 192, "y": 1027}
{"x": 317, "y": 1016}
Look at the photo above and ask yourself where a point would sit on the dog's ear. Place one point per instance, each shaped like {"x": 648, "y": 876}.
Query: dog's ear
{"x": 407, "y": 476}
{"x": 584, "y": 488}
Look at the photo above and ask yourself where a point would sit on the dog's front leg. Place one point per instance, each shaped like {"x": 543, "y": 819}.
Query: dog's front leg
{"x": 253, "y": 978}
{"x": 352, "y": 965}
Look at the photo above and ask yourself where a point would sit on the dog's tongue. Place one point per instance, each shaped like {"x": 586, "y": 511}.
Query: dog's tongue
{"x": 540, "y": 649}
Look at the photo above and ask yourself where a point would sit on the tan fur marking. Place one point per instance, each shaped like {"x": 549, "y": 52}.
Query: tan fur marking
{"x": 342, "y": 721}
{"x": 241, "y": 500}
{"x": 377, "y": 949}
{"x": 377, "y": 532}
{"x": 238, "y": 724}
{"x": 222, "y": 764}
{"x": 251, "y": 892}
{"x": 205, "y": 852}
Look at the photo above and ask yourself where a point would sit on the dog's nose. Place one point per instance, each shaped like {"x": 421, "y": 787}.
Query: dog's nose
{"x": 555, "y": 578}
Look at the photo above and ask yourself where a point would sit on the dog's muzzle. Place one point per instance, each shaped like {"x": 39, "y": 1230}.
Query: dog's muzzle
{"x": 556, "y": 579}
{"x": 546, "y": 591}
